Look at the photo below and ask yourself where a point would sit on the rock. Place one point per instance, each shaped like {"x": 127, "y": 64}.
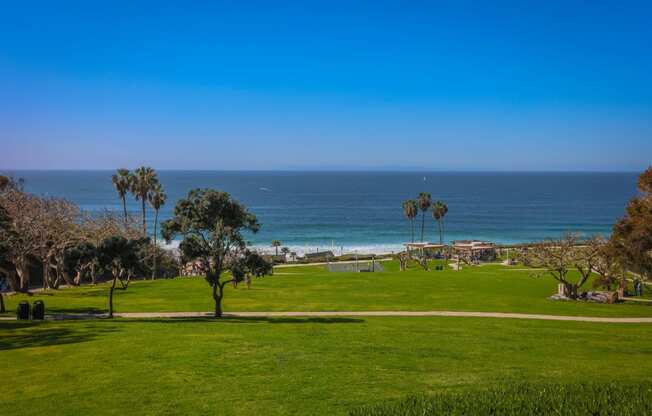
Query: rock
{"x": 598, "y": 297}
{"x": 558, "y": 296}
{"x": 594, "y": 296}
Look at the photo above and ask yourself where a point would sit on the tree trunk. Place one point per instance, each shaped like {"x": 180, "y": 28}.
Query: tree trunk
{"x": 2, "y": 303}
{"x": 111, "y": 297}
{"x": 571, "y": 289}
{"x": 78, "y": 278}
{"x": 442, "y": 228}
{"x": 46, "y": 275}
{"x": 93, "y": 277}
{"x": 412, "y": 222}
{"x": 22, "y": 269}
{"x": 441, "y": 236}
{"x": 61, "y": 274}
{"x": 124, "y": 208}
{"x": 10, "y": 274}
{"x": 155, "y": 252}
{"x": 217, "y": 297}
{"x": 143, "y": 210}
{"x": 423, "y": 223}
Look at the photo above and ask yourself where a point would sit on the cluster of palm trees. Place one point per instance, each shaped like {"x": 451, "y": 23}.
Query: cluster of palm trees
{"x": 276, "y": 244}
{"x": 144, "y": 185}
{"x": 424, "y": 203}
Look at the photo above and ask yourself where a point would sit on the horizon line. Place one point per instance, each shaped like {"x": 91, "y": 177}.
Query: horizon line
{"x": 327, "y": 170}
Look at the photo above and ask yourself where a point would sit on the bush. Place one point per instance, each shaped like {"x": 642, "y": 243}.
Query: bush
{"x": 525, "y": 399}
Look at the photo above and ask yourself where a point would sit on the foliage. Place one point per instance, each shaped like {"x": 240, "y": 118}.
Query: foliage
{"x": 523, "y": 399}
{"x": 157, "y": 199}
{"x": 81, "y": 260}
{"x": 276, "y": 244}
{"x": 608, "y": 264}
{"x": 211, "y": 224}
{"x": 250, "y": 264}
{"x": 559, "y": 256}
{"x": 439, "y": 211}
{"x": 424, "y": 201}
{"x": 632, "y": 234}
{"x": 142, "y": 182}
{"x": 120, "y": 256}
{"x": 411, "y": 210}
{"x": 122, "y": 183}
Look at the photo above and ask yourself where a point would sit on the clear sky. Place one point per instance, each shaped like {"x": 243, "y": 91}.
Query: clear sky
{"x": 350, "y": 85}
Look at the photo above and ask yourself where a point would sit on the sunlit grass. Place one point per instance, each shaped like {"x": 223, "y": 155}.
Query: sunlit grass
{"x": 489, "y": 288}
{"x": 296, "y": 366}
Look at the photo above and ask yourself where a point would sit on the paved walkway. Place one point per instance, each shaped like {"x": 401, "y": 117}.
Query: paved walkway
{"x": 386, "y": 313}
{"x": 499, "y": 315}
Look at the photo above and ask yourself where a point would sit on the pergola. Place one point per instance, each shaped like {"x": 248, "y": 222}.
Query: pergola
{"x": 423, "y": 247}
{"x": 474, "y": 249}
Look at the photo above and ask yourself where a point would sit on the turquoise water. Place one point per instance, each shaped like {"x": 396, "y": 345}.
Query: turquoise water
{"x": 362, "y": 210}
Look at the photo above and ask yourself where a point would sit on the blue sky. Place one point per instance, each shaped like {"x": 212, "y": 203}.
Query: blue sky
{"x": 364, "y": 85}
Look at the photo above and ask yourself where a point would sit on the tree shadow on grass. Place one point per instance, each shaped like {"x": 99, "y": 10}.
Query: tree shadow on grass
{"x": 247, "y": 320}
{"x": 31, "y": 334}
{"x": 82, "y": 310}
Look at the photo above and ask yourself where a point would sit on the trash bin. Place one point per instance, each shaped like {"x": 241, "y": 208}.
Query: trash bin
{"x": 22, "y": 311}
{"x": 38, "y": 310}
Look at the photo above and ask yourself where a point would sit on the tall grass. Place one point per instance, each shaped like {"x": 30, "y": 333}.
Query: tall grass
{"x": 524, "y": 400}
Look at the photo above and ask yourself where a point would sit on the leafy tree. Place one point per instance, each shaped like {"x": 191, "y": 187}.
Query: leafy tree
{"x": 285, "y": 250}
{"x": 24, "y": 239}
{"x": 248, "y": 265}
{"x": 608, "y": 264}
{"x": 411, "y": 210}
{"x": 276, "y": 244}
{"x": 5, "y": 230}
{"x": 211, "y": 225}
{"x": 644, "y": 182}
{"x": 56, "y": 223}
{"x": 94, "y": 229}
{"x": 157, "y": 198}
{"x": 424, "y": 201}
{"x": 122, "y": 183}
{"x": 119, "y": 255}
{"x": 439, "y": 211}
{"x": 558, "y": 257}
{"x": 632, "y": 234}
{"x": 81, "y": 259}
{"x": 142, "y": 183}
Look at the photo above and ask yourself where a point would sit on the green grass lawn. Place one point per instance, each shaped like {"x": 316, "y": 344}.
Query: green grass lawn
{"x": 296, "y": 366}
{"x": 489, "y": 288}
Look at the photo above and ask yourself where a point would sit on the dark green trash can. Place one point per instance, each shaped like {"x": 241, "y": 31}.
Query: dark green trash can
{"x": 38, "y": 310}
{"x": 22, "y": 311}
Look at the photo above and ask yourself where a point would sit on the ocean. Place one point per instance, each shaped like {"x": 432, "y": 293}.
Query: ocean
{"x": 361, "y": 211}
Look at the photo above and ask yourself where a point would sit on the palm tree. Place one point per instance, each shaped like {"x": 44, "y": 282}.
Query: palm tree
{"x": 156, "y": 198}
{"x": 439, "y": 210}
{"x": 122, "y": 183}
{"x": 143, "y": 181}
{"x": 424, "y": 200}
{"x": 411, "y": 210}
{"x": 276, "y": 244}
